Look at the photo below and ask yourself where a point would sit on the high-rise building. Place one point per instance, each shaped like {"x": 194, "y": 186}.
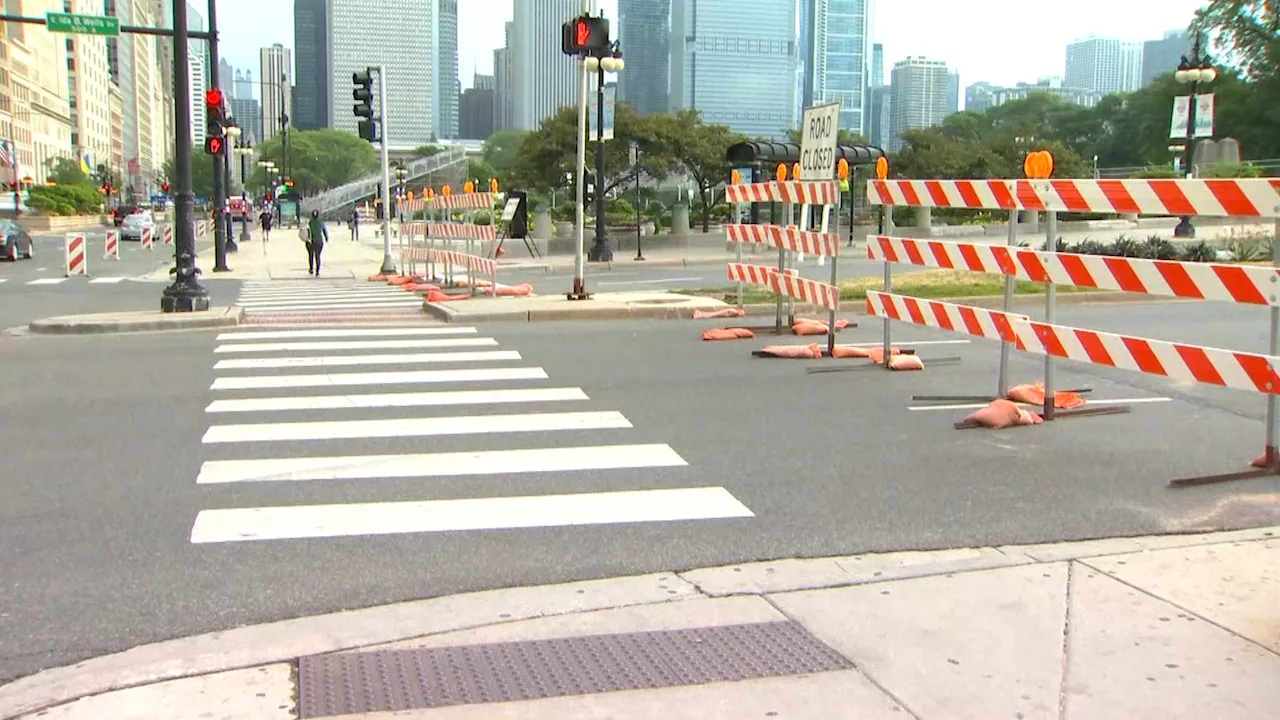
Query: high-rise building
{"x": 399, "y": 35}
{"x": 277, "y": 79}
{"x": 737, "y": 61}
{"x": 475, "y": 109}
{"x": 877, "y": 65}
{"x": 243, "y": 85}
{"x": 446, "y": 70}
{"x": 838, "y": 59}
{"x": 226, "y": 78}
{"x": 41, "y": 114}
{"x": 644, "y": 33}
{"x": 313, "y": 79}
{"x": 981, "y": 97}
{"x": 135, "y": 66}
{"x": 88, "y": 93}
{"x": 1104, "y": 65}
{"x": 199, "y": 113}
{"x": 1163, "y": 55}
{"x": 503, "y": 100}
{"x": 918, "y": 97}
{"x": 543, "y": 79}
{"x": 807, "y": 64}
{"x": 953, "y": 92}
{"x": 247, "y": 112}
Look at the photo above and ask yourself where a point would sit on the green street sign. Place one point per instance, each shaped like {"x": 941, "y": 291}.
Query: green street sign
{"x": 108, "y": 25}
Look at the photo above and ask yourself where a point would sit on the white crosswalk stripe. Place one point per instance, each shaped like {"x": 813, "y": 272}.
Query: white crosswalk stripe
{"x": 319, "y": 297}
{"x": 281, "y": 438}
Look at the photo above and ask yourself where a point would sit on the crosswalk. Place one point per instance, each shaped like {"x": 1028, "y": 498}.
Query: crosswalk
{"x": 467, "y": 416}
{"x": 108, "y": 280}
{"x": 321, "y": 298}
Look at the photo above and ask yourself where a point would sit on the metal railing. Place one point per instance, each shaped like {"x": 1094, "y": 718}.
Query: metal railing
{"x": 351, "y": 193}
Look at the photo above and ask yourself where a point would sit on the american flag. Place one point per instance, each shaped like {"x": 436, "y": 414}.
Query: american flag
{"x": 6, "y": 158}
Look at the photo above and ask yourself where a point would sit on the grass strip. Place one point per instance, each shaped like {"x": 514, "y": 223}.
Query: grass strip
{"x": 930, "y": 284}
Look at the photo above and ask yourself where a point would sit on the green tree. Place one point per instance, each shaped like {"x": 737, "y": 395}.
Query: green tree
{"x": 1247, "y": 29}
{"x": 482, "y": 172}
{"x": 201, "y": 174}
{"x": 318, "y": 159}
{"x": 700, "y": 150}
{"x": 66, "y": 171}
{"x": 502, "y": 150}
{"x": 426, "y": 151}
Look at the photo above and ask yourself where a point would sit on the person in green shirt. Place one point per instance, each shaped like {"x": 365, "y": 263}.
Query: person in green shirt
{"x": 317, "y": 234}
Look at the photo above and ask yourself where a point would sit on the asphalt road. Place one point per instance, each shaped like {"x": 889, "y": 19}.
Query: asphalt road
{"x": 107, "y": 541}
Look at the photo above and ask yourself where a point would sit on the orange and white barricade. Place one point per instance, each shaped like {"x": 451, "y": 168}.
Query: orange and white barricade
{"x": 1239, "y": 284}
{"x": 791, "y": 240}
{"x": 111, "y": 249}
{"x": 200, "y": 229}
{"x": 167, "y": 234}
{"x": 475, "y": 265}
{"x": 146, "y": 240}
{"x": 75, "y": 255}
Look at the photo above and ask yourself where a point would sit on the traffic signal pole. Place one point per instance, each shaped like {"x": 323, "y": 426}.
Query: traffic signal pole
{"x": 220, "y": 226}
{"x": 388, "y": 266}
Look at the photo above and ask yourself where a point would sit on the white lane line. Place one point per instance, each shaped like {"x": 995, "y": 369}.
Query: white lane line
{"x": 403, "y": 302}
{"x": 349, "y": 332}
{"x": 4, "y": 280}
{"x": 47, "y": 281}
{"x": 385, "y": 400}
{"x": 415, "y": 427}
{"x": 347, "y": 360}
{"x": 1090, "y": 403}
{"x": 649, "y": 282}
{"x": 379, "y": 378}
{"x": 450, "y": 464}
{"x": 247, "y": 297}
{"x": 107, "y": 280}
{"x": 537, "y": 511}
{"x": 356, "y": 345}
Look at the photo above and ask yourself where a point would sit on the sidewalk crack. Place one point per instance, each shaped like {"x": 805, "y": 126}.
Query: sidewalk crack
{"x": 1066, "y": 645}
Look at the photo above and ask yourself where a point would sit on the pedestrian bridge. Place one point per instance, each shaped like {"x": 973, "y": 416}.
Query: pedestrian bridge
{"x": 449, "y": 165}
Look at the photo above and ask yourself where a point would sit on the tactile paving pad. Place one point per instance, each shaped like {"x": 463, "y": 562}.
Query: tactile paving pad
{"x": 387, "y": 680}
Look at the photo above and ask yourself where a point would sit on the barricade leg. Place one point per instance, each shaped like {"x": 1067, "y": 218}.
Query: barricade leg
{"x": 1006, "y": 349}
{"x": 886, "y": 228}
{"x": 835, "y": 282}
{"x": 737, "y": 247}
{"x": 1050, "y": 303}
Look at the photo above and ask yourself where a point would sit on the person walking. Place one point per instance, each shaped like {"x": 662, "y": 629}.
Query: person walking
{"x": 265, "y": 220}
{"x": 317, "y": 234}
{"x": 354, "y": 224}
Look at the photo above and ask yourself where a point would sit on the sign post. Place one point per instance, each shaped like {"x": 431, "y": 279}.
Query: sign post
{"x": 818, "y": 140}
{"x": 106, "y": 25}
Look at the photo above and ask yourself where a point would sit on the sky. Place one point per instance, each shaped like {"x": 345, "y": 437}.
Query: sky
{"x": 998, "y": 41}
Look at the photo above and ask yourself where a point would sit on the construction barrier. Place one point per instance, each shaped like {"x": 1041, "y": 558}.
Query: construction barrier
{"x": 145, "y": 239}
{"x": 74, "y": 254}
{"x": 1240, "y": 284}
{"x": 111, "y": 251}
{"x": 168, "y": 234}
{"x": 796, "y": 237}
{"x": 200, "y": 229}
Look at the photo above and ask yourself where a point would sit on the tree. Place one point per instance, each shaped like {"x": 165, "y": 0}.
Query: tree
{"x": 1248, "y": 29}
{"x": 481, "y": 172}
{"x": 201, "y": 174}
{"x": 501, "y": 151}
{"x": 319, "y": 159}
{"x": 66, "y": 171}
{"x": 426, "y": 151}
{"x": 700, "y": 150}
{"x": 843, "y": 137}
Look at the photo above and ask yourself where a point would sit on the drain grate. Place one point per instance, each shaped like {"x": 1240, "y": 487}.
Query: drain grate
{"x": 388, "y": 680}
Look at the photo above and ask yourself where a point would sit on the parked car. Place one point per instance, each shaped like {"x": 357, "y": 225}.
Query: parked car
{"x": 120, "y": 212}
{"x": 16, "y": 243}
{"x": 133, "y": 225}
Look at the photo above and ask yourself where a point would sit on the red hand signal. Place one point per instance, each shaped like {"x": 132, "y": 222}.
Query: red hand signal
{"x": 582, "y": 32}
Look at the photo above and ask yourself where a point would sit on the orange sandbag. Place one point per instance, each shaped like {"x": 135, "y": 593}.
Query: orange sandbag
{"x": 877, "y": 353}
{"x": 437, "y": 296}
{"x": 727, "y": 334}
{"x": 378, "y": 278}
{"x": 419, "y": 287}
{"x": 1000, "y": 414}
{"x": 849, "y": 351}
{"x": 805, "y": 352}
{"x": 722, "y": 313}
{"x": 1034, "y": 395}
{"x": 906, "y": 362}
{"x": 1261, "y": 461}
{"x": 521, "y": 290}
{"x": 399, "y": 280}
{"x": 816, "y": 327}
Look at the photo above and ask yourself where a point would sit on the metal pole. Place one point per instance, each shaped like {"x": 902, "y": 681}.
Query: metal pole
{"x": 639, "y": 254}
{"x": 1273, "y": 416}
{"x": 827, "y": 212}
{"x": 388, "y": 266}
{"x": 600, "y": 250}
{"x": 185, "y": 294}
{"x": 1050, "y": 306}
{"x": 886, "y": 228}
{"x": 1005, "y": 347}
{"x": 226, "y": 173}
{"x": 780, "y": 305}
{"x": 579, "y": 266}
{"x": 244, "y": 194}
{"x": 219, "y": 181}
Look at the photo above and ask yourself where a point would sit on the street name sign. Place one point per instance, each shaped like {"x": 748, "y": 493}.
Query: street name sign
{"x": 107, "y": 25}
{"x": 821, "y": 128}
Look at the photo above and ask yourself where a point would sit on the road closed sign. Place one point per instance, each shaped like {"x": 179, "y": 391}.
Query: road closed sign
{"x": 818, "y": 142}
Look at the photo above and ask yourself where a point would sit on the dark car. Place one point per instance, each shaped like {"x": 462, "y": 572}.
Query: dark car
{"x": 120, "y": 212}
{"x": 16, "y": 243}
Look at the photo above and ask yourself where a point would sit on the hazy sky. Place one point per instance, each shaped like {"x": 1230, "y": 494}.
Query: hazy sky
{"x": 999, "y": 41}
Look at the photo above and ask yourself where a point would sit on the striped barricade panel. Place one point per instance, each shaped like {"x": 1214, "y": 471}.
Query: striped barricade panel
{"x": 788, "y": 283}
{"x": 1210, "y": 366}
{"x": 464, "y": 201}
{"x": 1244, "y": 284}
{"x": 972, "y": 194}
{"x": 1205, "y": 198}
{"x": 750, "y": 233}
{"x": 979, "y": 322}
{"x": 811, "y": 192}
{"x": 751, "y": 192}
{"x": 754, "y": 274}
{"x": 461, "y": 231}
{"x": 788, "y": 237}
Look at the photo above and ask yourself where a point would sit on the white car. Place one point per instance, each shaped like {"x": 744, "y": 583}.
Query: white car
{"x": 133, "y": 225}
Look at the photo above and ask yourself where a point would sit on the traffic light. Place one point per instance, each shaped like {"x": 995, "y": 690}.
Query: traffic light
{"x": 215, "y": 142}
{"x": 363, "y": 109}
{"x": 585, "y": 36}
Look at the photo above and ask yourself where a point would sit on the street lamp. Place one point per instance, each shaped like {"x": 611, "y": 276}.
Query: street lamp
{"x": 1198, "y": 69}
{"x": 233, "y": 133}
{"x": 244, "y": 148}
{"x": 611, "y": 61}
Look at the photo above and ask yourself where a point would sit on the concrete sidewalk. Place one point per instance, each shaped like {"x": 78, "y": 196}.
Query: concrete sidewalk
{"x": 1155, "y": 627}
{"x": 284, "y": 257}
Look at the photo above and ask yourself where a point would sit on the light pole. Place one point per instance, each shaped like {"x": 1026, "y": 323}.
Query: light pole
{"x": 607, "y": 62}
{"x": 244, "y": 148}
{"x": 233, "y": 134}
{"x": 635, "y": 167}
{"x": 1194, "y": 71}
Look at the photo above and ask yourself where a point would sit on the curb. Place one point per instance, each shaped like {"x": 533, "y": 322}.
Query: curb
{"x": 286, "y": 640}
{"x": 104, "y": 325}
{"x": 652, "y": 312}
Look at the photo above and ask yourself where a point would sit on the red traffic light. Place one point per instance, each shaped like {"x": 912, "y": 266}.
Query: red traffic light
{"x": 214, "y": 145}
{"x": 581, "y": 33}
{"x": 165, "y": 187}
{"x": 585, "y": 35}
{"x": 213, "y": 96}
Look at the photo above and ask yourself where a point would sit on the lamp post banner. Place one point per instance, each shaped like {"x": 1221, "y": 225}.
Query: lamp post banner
{"x": 1181, "y": 116}
{"x": 1204, "y": 115}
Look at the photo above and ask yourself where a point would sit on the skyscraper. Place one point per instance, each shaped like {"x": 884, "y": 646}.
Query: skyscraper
{"x": 312, "y": 79}
{"x": 244, "y": 89}
{"x": 839, "y": 60}
{"x": 475, "y": 109}
{"x": 543, "y": 78}
{"x": 503, "y": 100}
{"x": 1162, "y": 56}
{"x": 737, "y": 62}
{"x": 446, "y": 67}
{"x": 918, "y": 97}
{"x": 1104, "y": 65}
{"x": 88, "y": 83}
{"x": 226, "y": 78}
{"x": 277, "y": 78}
{"x": 644, "y": 32}
{"x": 401, "y": 36}
{"x": 953, "y": 92}
{"x": 877, "y": 65}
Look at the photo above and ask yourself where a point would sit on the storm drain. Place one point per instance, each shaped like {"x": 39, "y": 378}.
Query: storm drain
{"x": 387, "y": 680}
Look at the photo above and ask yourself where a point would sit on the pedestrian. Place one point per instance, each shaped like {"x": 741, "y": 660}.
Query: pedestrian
{"x": 354, "y": 224}
{"x": 317, "y": 234}
{"x": 265, "y": 220}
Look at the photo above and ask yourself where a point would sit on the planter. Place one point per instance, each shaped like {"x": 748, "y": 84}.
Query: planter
{"x": 63, "y": 223}
{"x": 563, "y": 229}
